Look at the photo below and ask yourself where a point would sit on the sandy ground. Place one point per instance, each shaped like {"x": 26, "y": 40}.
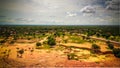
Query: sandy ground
{"x": 56, "y": 57}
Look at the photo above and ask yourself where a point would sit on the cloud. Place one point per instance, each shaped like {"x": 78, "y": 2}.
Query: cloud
{"x": 113, "y": 5}
{"x": 57, "y": 11}
{"x": 24, "y": 20}
{"x": 71, "y": 14}
{"x": 88, "y": 9}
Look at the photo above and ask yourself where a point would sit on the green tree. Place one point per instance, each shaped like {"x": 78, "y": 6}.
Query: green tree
{"x": 111, "y": 46}
{"x": 21, "y": 51}
{"x": 51, "y": 41}
{"x": 116, "y": 52}
{"x": 95, "y": 48}
{"x": 2, "y": 41}
{"x": 38, "y": 44}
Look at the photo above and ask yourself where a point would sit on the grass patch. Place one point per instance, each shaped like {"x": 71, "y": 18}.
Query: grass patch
{"x": 72, "y": 56}
{"x": 46, "y": 47}
{"x": 77, "y": 40}
{"x": 61, "y": 48}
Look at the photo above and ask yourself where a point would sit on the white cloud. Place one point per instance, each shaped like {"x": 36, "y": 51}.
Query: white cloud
{"x": 88, "y": 9}
{"x": 71, "y": 14}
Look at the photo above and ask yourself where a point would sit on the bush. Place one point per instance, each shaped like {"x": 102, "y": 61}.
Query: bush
{"x": 111, "y": 46}
{"x": 72, "y": 56}
{"x": 21, "y": 51}
{"x": 58, "y": 34}
{"x": 95, "y": 48}
{"x": 38, "y": 44}
{"x": 51, "y": 41}
{"x": 66, "y": 41}
{"x": 116, "y": 52}
{"x": 2, "y": 41}
{"x": 45, "y": 42}
{"x": 29, "y": 38}
{"x": 12, "y": 42}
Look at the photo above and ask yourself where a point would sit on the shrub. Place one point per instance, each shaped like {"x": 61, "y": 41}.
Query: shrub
{"x": 116, "y": 52}
{"x": 95, "y": 48}
{"x": 2, "y": 41}
{"x": 15, "y": 38}
{"x": 51, "y": 41}
{"x": 58, "y": 34}
{"x": 72, "y": 56}
{"x": 45, "y": 42}
{"x": 38, "y": 44}
{"x": 32, "y": 49}
{"x": 21, "y": 51}
{"x": 12, "y": 42}
{"x": 17, "y": 48}
{"x": 111, "y": 46}
{"x": 65, "y": 40}
{"x": 29, "y": 38}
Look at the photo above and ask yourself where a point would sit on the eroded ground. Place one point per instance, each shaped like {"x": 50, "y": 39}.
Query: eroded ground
{"x": 58, "y": 55}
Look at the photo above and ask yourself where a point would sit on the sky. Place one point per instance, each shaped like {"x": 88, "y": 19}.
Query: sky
{"x": 59, "y": 12}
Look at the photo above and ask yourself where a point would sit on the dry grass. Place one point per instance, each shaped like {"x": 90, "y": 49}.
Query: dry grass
{"x": 56, "y": 56}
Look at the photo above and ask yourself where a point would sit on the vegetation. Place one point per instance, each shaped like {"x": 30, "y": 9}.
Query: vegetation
{"x": 116, "y": 52}
{"x": 73, "y": 42}
{"x": 32, "y": 50}
{"x": 20, "y": 53}
{"x": 51, "y": 41}
{"x": 4, "y": 53}
{"x": 95, "y": 48}
{"x": 111, "y": 46}
{"x": 38, "y": 44}
{"x": 72, "y": 56}
{"x": 29, "y": 32}
{"x": 58, "y": 34}
{"x": 2, "y": 41}
{"x": 46, "y": 46}
{"x": 12, "y": 42}
{"x": 76, "y": 39}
